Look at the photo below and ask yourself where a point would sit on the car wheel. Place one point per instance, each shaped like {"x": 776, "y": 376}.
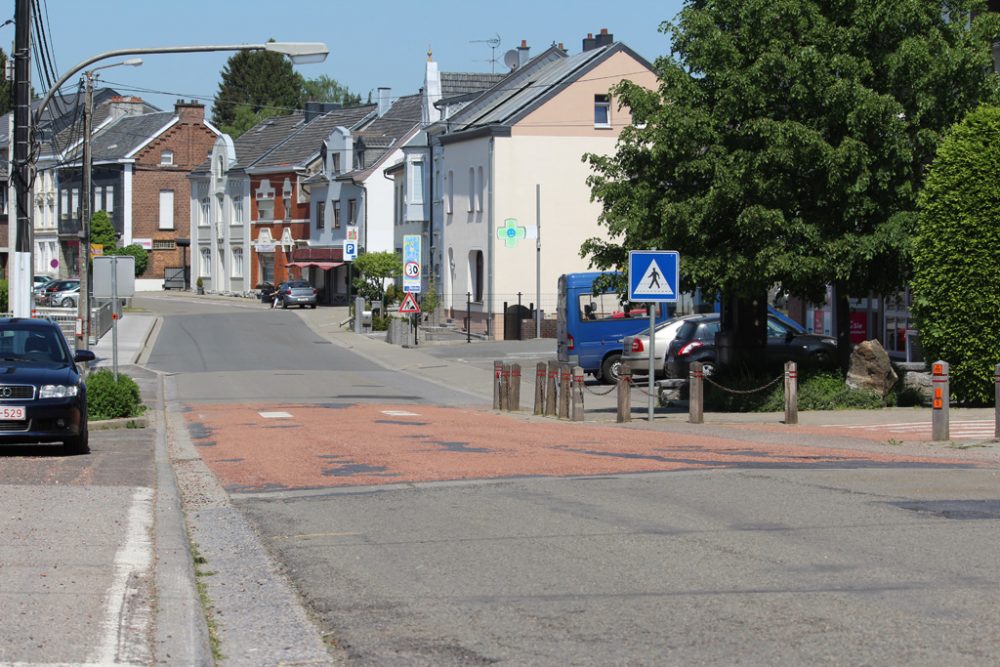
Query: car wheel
{"x": 822, "y": 359}
{"x": 66, "y": 303}
{"x": 611, "y": 369}
{"x": 708, "y": 367}
{"x": 284, "y": 305}
{"x": 313, "y": 306}
{"x": 79, "y": 444}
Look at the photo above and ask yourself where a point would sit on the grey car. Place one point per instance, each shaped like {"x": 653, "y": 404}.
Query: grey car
{"x": 297, "y": 293}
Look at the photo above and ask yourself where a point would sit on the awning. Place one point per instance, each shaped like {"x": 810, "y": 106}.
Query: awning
{"x": 319, "y": 265}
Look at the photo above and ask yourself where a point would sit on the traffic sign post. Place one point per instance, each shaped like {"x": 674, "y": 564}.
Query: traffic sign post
{"x": 653, "y": 277}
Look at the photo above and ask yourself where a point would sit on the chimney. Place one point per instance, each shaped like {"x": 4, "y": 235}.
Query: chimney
{"x": 125, "y": 106}
{"x": 589, "y": 43}
{"x": 311, "y": 110}
{"x": 384, "y": 100}
{"x": 190, "y": 112}
{"x": 523, "y": 53}
{"x": 605, "y": 38}
{"x": 314, "y": 110}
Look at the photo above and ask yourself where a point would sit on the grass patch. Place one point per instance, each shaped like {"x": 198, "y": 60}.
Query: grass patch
{"x": 764, "y": 391}
{"x": 206, "y": 602}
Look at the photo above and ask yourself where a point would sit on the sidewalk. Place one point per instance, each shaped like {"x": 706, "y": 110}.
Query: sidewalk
{"x": 133, "y": 330}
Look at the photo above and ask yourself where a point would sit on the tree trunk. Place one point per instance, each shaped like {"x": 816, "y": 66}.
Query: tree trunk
{"x": 742, "y": 336}
{"x": 842, "y": 326}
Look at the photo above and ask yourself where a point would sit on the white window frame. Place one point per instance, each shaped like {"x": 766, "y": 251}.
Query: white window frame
{"x": 166, "y": 219}
{"x": 205, "y": 269}
{"x": 167, "y": 157}
{"x": 206, "y": 212}
{"x": 602, "y": 102}
{"x": 416, "y": 185}
{"x": 237, "y": 263}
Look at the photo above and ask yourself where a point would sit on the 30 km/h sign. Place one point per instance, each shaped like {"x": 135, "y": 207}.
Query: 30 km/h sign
{"x": 654, "y": 275}
{"x": 411, "y": 263}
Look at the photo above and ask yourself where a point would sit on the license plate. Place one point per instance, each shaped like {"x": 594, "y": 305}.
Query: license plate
{"x": 11, "y": 412}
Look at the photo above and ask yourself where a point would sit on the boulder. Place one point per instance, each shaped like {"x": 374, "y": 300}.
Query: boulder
{"x": 871, "y": 369}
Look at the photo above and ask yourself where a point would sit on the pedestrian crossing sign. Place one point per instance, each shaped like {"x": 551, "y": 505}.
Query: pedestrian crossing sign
{"x": 654, "y": 275}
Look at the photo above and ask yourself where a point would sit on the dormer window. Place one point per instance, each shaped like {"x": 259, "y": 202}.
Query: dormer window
{"x": 167, "y": 158}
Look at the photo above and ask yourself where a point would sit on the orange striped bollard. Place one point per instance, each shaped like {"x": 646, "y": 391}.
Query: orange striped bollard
{"x": 564, "y": 390}
{"x": 791, "y": 393}
{"x": 696, "y": 393}
{"x": 514, "y": 403}
{"x": 540, "y": 388}
{"x": 497, "y": 372}
{"x": 550, "y": 389}
{"x": 940, "y": 401}
{"x": 996, "y": 412}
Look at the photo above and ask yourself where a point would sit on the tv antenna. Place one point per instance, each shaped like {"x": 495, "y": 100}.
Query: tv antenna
{"x": 494, "y": 43}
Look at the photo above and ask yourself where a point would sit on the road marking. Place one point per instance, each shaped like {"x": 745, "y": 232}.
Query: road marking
{"x": 974, "y": 428}
{"x": 275, "y": 415}
{"x": 127, "y": 616}
{"x": 310, "y": 535}
{"x": 399, "y": 413}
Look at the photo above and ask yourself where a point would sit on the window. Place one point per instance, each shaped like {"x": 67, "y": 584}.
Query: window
{"x": 167, "y": 157}
{"x": 352, "y": 211}
{"x": 472, "y": 188}
{"x": 64, "y": 205}
{"x": 238, "y": 210}
{"x": 206, "y": 212}
{"x": 205, "y": 270}
{"x": 220, "y": 166}
{"x": 416, "y": 186}
{"x": 336, "y": 214}
{"x": 320, "y": 215}
{"x": 166, "y": 209}
{"x": 602, "y": 111}
{"x": 164, "y": 244}
{"x": 75, "y": 210}
{"x": 479, "y": 189}
{"x": 109, "y": 199}
{"x": 336, "y": 163}
{"x": 237, "y": 262}
{"x": 265, "y": 209}
{"x": 449, "y": 202}
{"x": 476, "y": 266}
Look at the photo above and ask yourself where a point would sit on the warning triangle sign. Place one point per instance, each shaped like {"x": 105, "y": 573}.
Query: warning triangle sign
{"x": 654, "y": 282}
{"x": 409, "y": 304}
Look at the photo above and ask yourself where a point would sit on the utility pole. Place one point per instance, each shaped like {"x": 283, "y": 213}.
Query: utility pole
{"x": 20, "y": 276}
{"x": 83, "y": 303}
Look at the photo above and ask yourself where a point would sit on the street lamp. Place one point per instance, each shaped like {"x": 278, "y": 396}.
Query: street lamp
{"x": 20, "y": 278}
{"x": 83, "y": 303}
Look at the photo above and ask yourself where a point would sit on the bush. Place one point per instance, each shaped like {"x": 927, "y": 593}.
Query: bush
{"x": 818, "y": 390}
{"x": 380, "y": 322}
{"x": 956, "y": 286}
{"x": 4, "y": 296}
{"x": 107, "y": 399}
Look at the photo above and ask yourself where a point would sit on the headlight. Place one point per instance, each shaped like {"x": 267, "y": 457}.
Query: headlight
{"x": 57, "y": 391}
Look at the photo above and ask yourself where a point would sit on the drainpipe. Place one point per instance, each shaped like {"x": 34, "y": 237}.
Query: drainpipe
{"x": 489, "y": 250}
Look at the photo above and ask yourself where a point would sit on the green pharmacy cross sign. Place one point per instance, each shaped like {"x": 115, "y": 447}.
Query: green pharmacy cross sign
{"x": 510, "y": 233}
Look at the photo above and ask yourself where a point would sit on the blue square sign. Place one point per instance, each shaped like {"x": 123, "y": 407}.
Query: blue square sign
{"x": 654, "y": 275}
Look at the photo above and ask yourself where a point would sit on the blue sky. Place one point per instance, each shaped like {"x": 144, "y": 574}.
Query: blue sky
{"x": 371, "y": 44}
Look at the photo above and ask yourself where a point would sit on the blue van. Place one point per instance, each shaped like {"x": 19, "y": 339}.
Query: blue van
{"x": 590, "y": 327}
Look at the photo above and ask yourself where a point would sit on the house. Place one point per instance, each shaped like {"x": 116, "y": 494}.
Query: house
{"x": 525, "y": 135}
{"x": 250, "y": 200}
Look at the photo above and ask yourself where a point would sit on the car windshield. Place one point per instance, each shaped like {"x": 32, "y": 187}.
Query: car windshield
{"x": 298, "y": 285}
{"x": 686, "y": 332}
{"x": 31, "y": 345}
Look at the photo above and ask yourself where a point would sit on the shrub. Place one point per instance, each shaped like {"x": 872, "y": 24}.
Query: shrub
{"x": 4, "y": 296}
{"x": 380, "y": 322}
{"x": 956, "y": 286}
{"x": 108, "y": 399}
{"x": 818, "y": 390}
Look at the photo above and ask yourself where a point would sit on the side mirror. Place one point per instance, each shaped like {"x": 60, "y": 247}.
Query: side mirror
{"x": 84, "y": 355}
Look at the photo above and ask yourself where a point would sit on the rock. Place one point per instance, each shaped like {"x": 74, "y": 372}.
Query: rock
{"x": 871, "y": 369}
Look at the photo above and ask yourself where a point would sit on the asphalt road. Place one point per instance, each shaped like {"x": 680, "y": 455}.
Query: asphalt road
{"x": 743, "y": 553}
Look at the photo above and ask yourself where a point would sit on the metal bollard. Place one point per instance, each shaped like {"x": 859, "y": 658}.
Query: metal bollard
{"x": 791, "y": 393}
{"x": 564, "y": 378}
{"x": 540, "y": 388}
{"x": 996, "y": 380}
{"x": 940, "y": 401}
{"x": 514, "y": 403}
{"x": 696, "y": 393}
{"x": 625, "y": 395}
{"x": 497, "y": 372}
{"x": 550, "y": 389}
{"x": 577, "y": 394}
{"x": 505, "y": 387}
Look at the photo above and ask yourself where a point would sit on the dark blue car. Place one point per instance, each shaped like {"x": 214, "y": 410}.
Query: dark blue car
{"x": 42, "y": 394}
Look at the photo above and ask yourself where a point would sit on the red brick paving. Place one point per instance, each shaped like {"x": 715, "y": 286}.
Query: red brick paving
{"x": 329, "y": 446}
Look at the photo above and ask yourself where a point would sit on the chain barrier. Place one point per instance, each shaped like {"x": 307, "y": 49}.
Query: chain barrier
{"x": 611, "y": 388}
{"x": 744, "y": 391}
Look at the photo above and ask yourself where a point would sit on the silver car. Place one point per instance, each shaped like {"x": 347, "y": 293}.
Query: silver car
{"x": 635, "y": 349}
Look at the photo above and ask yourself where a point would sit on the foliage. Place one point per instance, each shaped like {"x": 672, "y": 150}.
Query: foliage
{"x": 787, "y": 140}
{"x": 325, "y": 89}
{"x": 429, "y": 300}
{"x": 199, "y": 283}
{"x": 6, "y": 86}
{"x": 4, "y": 296}
{"x": 259, "y": 80}
{"x": 818, "y": 390}
{"x": 102, "y": 232}
{"x": 394, "y": 294}
{"x": 108, "y": 399}
{"x": 375, "y": 268}
{"x": 381, "y": 322}
{"x": 244, "y": 118}
{"x": 138, "y": 252}
{"x": 956, "y": 286}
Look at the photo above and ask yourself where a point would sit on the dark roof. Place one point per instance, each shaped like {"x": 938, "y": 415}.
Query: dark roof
{"x": 123, "y": 136}
{"x": 457, "y": 84}
{"x": 304, "y": 143}
{"x": 379, "y": 136}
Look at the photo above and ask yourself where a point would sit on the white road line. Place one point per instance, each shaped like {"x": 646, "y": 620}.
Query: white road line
{"x": 399, "y": 413}
{"x": 127, "y": 615}
{"x": 911, "y": 425}
{"x": 275, "y": 415}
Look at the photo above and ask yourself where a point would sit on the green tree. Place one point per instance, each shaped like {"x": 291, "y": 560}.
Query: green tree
{"x": 6, "y": 86}
{"x": 375, "y": 268}
{"x": 245, "y": 117}
{"x": 787, "y": 140}
{"x": 102, "y": 232}
{"x": 260, "y": 80}
{"x": 325, "y": 89}
{"x": 136, "y": 251}
{"x": 956, "y": 286}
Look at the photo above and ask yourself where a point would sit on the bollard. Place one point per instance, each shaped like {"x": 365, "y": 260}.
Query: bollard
{"x": 564, "y": 378}
{"x": 696, "y": 393}
{"x": 505, "y": 387}
{"x": 996, "y": 403}
{"x": 550, "y": 389}
{"x": 497, "y": 372}
{"x": 540, "y": 388}
{"x": 940, "y": 401}
{"x": 577, "y": 394}
{"x": 791, "y": 393}
{"x": 515, "y": 388}
{"x": 625, "y": 395}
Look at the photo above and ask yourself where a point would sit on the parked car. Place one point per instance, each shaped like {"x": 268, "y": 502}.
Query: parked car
{"x": 695, "y": 341}
{"x": 297, "y": 293}
{"x": 65, "y": 295}
{"x": 43, "y": 397}
{"x": 57, "y": 286}
{"x": 635, "y": 349}
{"x": 38, "y": 286}
{"x": 40, "y": 280}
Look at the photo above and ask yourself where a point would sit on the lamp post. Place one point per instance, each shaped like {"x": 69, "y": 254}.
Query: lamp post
{"x": 83, "y": 303}
{"x": 298, "y": 52}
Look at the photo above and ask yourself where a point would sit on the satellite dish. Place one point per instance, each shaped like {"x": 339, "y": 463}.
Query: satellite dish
{"x": 510, "y": 59}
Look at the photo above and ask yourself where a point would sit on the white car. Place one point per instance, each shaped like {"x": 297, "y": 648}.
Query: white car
{"x": 635, "y": 349}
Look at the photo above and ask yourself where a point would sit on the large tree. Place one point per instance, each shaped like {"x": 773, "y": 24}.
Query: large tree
{"x": 262, "y": 81}
{"x": 325, "y": 89}
{"x": 787, "y": 140}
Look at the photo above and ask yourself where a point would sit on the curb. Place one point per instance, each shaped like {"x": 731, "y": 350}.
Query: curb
{"x": 141, "y": 421}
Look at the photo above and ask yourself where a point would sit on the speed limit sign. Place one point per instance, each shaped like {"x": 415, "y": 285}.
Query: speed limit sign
{"x": 412, "y": 270}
